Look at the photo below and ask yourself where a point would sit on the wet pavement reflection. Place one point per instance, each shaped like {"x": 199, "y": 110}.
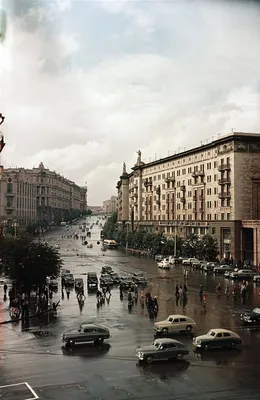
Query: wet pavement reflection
{"x": 111, "y": 371}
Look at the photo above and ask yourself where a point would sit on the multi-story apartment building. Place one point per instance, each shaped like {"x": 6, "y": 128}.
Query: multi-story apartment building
{"x": 214, "y": 189}
{"x": 34, "y": 194}
{"x": 110, "y": 206}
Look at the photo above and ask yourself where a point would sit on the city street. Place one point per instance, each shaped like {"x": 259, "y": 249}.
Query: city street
{"x": 111, "y": 371}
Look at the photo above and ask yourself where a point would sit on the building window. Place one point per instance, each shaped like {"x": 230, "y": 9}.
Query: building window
{"x": 216, "y": 217}
{"x": 228, "y": 216}
{"x": 213, "y": 231}
{"x": 215, "y": 191}
{"x": 222, "y": 216}
{"x": 215, "y": 164}
{"x": 209, "y": 178}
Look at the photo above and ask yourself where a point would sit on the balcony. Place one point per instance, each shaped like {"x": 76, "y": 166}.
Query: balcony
{"x": 195, "y": 198}
{"x": 183, "y": 200}
{"x": 9, "y": 194}
{"x": 224, "y": 167}
{"x": 198, "y": 173}
{"x": 224, "y": 181}
{"x": 224, "y": 195}
{"x": 183, "y": 188}
{"x": 167, "y": 180}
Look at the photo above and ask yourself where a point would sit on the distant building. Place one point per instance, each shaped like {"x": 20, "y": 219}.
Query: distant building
{"x": 110, "y": 206}
{"x": 96, "y": 209}
{"x": 211, "y": 189}
{"x": 37, "y": 194}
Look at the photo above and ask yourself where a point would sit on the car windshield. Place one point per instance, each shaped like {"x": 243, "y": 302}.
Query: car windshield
{"x": 170, "y": 319}
{"x": 156, "y": 344}
{"x": 256, "y": 310}
{"x": 211, "y": 333}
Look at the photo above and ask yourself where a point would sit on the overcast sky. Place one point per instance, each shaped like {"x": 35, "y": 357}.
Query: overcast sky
{"x": 85, "y": 84}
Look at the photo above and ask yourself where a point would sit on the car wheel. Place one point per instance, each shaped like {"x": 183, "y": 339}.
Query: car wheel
{"x": 189, "y": 329}
{"x": 165, "y": 330}
{"x": 149, "y": 360}
{"x": 179, "y": 356}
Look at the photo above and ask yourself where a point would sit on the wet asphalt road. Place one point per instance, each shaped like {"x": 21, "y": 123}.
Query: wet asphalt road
{"x": 111, "y": 371}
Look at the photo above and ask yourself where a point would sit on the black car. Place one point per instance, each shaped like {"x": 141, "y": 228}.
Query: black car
{"x": 107, "y": 270}
{"x": 92, "y": 281}
{"x": 126, "y": 282}
{"x": 106, "y": 280}
{"x": 251, "y": 318}
{"x": 139, "y": 279}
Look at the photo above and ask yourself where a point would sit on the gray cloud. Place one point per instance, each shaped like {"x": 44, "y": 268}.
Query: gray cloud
{"x": 197, "y": 75}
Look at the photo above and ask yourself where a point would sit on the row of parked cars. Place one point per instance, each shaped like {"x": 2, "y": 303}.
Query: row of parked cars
{"x": 109, "y": 278}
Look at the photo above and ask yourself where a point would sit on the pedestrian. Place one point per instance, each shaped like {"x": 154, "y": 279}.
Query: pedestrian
{"x": 5, "y": 288}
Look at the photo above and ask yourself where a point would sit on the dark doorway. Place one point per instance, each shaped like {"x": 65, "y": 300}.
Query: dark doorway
{"x": 248, "y": 245}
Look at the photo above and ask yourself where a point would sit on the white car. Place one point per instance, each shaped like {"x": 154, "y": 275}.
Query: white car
{"x": 164, "y": 264}
{"x": 216, "y": 338}
{"x": 175, "y": 324}
{"x": 256, "y": 278}
{"x": 190, "y": 261}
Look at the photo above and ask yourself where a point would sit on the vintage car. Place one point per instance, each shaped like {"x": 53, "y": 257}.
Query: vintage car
{"x": 139, "y": 279}
{"x": 115, "y": 277}
{"x": 251, "y": 318}
{"x": 175, "y": 324}
{"x": 242, "y": 274}
{"x": 79, "y": 284}
{"x": 106, "y": 280}
{"x": 92, "y": 281}
{"x": 126, "y": 282}
{"x": 69, "y": 279}
{"x": 162, "y": 349}
{"x": 190, "y": 261}
{"x": 216, "y": 338}
{"x": 256, "y": 278}
{"x": 85, "y": 334}
{"x": 106, "y": 270}
{"x": 209, "y": 266}
{"x": 221, "y": 269}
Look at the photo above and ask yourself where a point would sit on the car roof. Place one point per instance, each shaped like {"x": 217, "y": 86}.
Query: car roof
{"x": 178, "y": 316}
{"x": 167, "y": 340}
{"x": 219, "y": 330}
{"x": 92, "y": 326}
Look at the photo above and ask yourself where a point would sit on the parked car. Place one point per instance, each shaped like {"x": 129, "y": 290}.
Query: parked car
{"x": 173, "y": 260}
{"x": 115, "y": 277}
{"x": 159, "y": 257}
{"x": 164, "y": 264}
{"x": 216, "y": 338}
{"x": 209, "y": 266}
{"x": 221, "y": 269}
{"x": 139, "y": 279}
{"x": 85, "y": 334}
{"x": 79, "y": 284}
{"x": 162, "y": 349}
{"x": 190, "y": 261}
{"x": 106, "y": 270}
{"x": 242, "y": 274}
{"x": 256, "y": 278}
{"x": 251, "y": 318}
{"x": 106, "y": 280}
{"x": 175, "y": 324}
{"x": 92, "y": 281}
{"x": 126, "y": 282}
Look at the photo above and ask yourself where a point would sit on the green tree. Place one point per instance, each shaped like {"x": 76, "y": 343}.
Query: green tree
{"x": 28, "y": 263}
{"x": 208, "y": 248}
{"x": 191, "y": 246}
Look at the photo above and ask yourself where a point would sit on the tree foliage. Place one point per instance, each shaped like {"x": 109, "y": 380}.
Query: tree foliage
{"x": 27, "y": 262}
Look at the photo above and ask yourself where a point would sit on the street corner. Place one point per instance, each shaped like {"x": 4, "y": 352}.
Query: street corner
{"x": 18, "y": 391}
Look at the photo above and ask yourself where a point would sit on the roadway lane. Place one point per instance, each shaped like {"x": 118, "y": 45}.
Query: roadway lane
{"x": 111, "y": 371}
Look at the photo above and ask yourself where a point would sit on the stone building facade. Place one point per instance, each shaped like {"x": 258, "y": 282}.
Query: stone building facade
{"x": 214, "y": 189}
{"x": 110, "y": 206}
{"x": 37, "y": 194}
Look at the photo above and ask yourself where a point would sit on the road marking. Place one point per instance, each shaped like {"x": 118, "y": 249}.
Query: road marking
{"x": 35, "y": 396}
{"x": 33, "y": 392}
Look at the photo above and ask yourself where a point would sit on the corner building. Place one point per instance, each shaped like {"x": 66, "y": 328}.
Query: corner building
{"x": 212, "y": 189}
